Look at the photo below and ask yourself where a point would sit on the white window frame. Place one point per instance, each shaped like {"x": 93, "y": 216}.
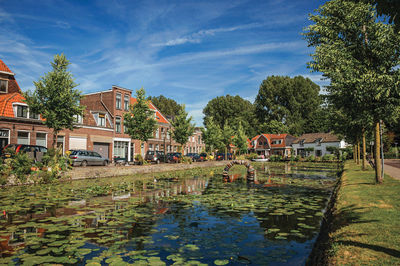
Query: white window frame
{"x": 118, "y": 99}
{"x": 120, "y": 124}
{"x": 9, "y": 132}
{"x": 45, "y": 133}
{"x": 126, "y": 102}
{"x": 29, "y": 136}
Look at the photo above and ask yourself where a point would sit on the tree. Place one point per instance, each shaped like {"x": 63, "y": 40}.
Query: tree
{"x": 291, "y": 102}
{"x": 389, "y": 8}
{"x": 232, "y": 109}
{"x": 240, "y": 139}
{"x": 212, "y": 135}
{"x": 55, "y": 98}
{"x": 274, "y": 127}
{"x": 139, "y": 121}
{"x": 166, "y": 105}
{"x": 182, "y": 127}
{"x": 360, "y": 56}
{"x": 227, "y": 134}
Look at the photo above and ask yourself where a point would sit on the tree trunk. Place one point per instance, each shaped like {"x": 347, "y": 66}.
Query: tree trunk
{"x": 355, "y": 153}
{"x": 55, "y": 133}
{"x": 378, "y": 166}
{"x": 358, "y": 151}
{"x": 364, "y": 152}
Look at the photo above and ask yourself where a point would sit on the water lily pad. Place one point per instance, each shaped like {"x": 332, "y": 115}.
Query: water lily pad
{"x": 221, "y": 262}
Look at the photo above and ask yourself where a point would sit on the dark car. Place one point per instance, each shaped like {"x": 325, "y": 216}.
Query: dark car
{"x": 155, "y": 157}
{"x": 36, "y": 152}
{"x": 202, "y": 157}
{"x": 194, "y": 156}
{"x": 221, "y": 156}
{"x": 84, "y": 158}
{"x": 173, "y": 157}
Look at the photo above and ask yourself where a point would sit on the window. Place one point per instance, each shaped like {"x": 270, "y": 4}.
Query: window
{"x": 157, "y": 133}
{"x": 157, "y": 147}
{"x": 3, "y": 85}
{"x": 101, "y": 121}
{"x": 150, "y": 147}
{"x": 78, "y": 119}
{"x": 199, "y": 140}
{"x": 33, "y": 115}
{"x": 126, "y": 102}
{"x": 22, "y": 111}
{"x": 260, "y": 143}
{"x": 118, "y": 101}
{"x": 124, "y": 128}
{"x": 41, "y": 139}
{"x": 279, "y": 141}
{"x": 162, "y": 133}
{"x": 118, "y": 124}
{"x": 23, "y": 137}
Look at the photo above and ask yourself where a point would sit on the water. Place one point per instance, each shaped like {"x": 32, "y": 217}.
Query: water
{"x": 163, "y": 220}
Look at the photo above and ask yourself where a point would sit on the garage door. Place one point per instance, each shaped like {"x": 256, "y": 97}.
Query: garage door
{"x": 101, "y": 148}
{"x": 76, "y": 143}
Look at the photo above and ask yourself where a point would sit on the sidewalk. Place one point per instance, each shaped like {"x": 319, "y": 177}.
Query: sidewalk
{"x": 392, "y": 168}
{"x": 112, "y": 171}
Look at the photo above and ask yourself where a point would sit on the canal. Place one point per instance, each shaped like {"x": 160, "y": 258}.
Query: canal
{"x": 162, "y": 219}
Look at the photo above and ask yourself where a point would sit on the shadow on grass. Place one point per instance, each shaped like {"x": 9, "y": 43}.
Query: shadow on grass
{"x": 334, "y": 221}
{"x": 388, "y": 251}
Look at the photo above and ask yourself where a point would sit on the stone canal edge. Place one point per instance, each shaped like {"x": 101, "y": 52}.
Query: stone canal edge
{"x": 114, "y": 171}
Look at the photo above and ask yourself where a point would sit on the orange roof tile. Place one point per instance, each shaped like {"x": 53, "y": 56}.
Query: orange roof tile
{"x": 159, "y": 116}
{"x": 4, "y": 68}
{"x": 6, "y": 103}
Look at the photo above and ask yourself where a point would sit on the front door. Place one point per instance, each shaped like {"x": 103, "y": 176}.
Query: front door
{"x": 132, "y": 152}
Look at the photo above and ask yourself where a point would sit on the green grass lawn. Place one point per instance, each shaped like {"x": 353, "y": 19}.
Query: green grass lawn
{"x": 366, "y": 223}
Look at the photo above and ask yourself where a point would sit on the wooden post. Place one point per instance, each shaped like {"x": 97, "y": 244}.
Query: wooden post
{"x": 364, "y": 152}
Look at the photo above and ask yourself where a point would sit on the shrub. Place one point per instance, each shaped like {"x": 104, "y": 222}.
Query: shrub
{"x": 187, "y": 160}
{"x": 310, "y": 158}
{"x": 251, "y": 156}
{"x": 241, "y": 157}
{"x": 297, "y": 158}
{"x": 275, "y": 158}
{"x": 139, "y": 159}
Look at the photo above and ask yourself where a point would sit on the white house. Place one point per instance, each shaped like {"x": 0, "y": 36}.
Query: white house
{"x": 316, "y": 144}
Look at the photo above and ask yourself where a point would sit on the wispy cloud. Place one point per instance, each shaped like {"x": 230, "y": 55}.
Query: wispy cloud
{"x": 198, "y": 36}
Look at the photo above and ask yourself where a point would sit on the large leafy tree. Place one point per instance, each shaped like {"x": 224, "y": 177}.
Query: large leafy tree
{"x": 212, "y": 135}
{"x": 240, "y": 139}
{"x": 55, "y": 98}
{"x": 227, "y": 135}
{"x": 167, "y": 106}
{"x": 139, "y": 121}
{"x": 360, "y": 56}
{"x": 182, "y": 127}
{"x": 232, "y": 109}
{"x": 288, "y": 103}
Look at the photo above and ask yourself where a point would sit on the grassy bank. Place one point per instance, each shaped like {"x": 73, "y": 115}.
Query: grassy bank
{"x": 365, "y": 227}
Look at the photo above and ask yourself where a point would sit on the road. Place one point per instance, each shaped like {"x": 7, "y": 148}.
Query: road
{"x": 392, "y": 168}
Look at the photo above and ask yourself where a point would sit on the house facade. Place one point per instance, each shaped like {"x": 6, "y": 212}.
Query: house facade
{"x": 272, "y": 144}
{"x": 195, "y": 143}
{"x": 316, "y": 144}
{"x": 17, "y": 124}
{"x": 101, "y": 128}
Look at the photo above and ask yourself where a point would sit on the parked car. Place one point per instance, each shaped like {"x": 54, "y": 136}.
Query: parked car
{"x": 155, "y": 157}
{"x": 36, "y": 152}
{"x": 202, "y": 157}
{"x": 84, "y": 158}
{"x": 194, "y": 156}
{"x": 173, "y": 157}
{"x": 221, "y": 156}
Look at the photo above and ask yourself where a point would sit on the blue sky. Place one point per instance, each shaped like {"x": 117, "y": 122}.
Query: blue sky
{"x": 191, "y": 51}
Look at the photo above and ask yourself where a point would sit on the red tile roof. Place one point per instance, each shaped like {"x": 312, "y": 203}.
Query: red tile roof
{"x": 271, "y": 137}
{"x": 4, "y": 68}
{"x": 159, "y": 116}
{"x": 6, "y": 103}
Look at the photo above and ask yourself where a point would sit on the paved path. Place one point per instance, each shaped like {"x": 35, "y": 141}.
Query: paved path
{"x": 111, "y": 170}
{"x": 392, "y": 168}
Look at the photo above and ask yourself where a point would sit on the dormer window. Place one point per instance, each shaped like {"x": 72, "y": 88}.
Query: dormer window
{"x": 277, "y": 141}
{"x": 3, "y": 85}
{"x": 78, "y": 119}
{"x": 318, "y": 141}
{"x": 22, "y": 111}
{"x": 301, "y": 143}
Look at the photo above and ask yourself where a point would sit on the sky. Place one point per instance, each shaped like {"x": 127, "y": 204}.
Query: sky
{"x": 190, "y": 51}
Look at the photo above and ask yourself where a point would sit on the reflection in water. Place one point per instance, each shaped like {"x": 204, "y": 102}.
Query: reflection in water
{"x": 273, "y": 220}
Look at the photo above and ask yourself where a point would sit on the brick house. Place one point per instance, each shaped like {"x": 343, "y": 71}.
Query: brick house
{"x": 195, "y": 142}
{"x": 17, "y": 124}
{"x": 272, "y": 144}
{"x": 100, "y": 129}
